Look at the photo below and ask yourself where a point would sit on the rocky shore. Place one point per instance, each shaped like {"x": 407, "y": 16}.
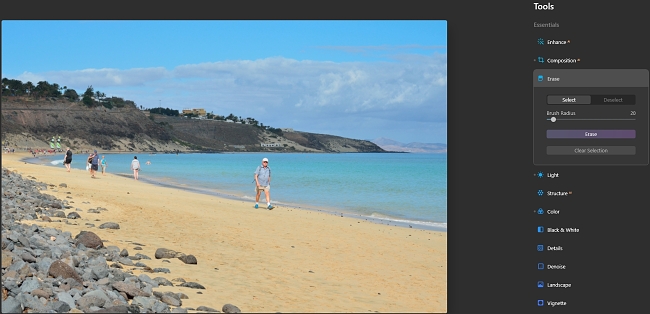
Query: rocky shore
{"x": 46, "y": 270}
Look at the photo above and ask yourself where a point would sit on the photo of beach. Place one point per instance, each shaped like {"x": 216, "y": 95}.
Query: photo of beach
{"x": 345, "y": 120}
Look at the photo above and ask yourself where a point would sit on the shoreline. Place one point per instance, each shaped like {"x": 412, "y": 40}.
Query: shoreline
{"x": 282, "y": 260}
{"x": 389, "y": 221}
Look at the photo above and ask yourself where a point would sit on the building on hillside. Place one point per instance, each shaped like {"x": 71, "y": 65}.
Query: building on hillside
{"x": 197, "y": 111}
{"x": 271, "y": 145}
{"x": 286, "y": 129}
{"x": 229, "y": 121}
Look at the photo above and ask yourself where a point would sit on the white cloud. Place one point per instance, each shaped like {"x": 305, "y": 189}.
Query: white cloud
{"x": 278, "y": 90}
{"x": 98, "y": 77}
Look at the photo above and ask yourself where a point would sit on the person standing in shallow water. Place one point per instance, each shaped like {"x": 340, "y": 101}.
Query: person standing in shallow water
{"x": 263, "y": 183}
{"x": 103, "y": 164}
{"x": 135, "y": 166}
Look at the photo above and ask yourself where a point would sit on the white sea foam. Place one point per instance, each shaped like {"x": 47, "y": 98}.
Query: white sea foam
{"x": 412, "y": 222}
{"x": 56, "y": 162}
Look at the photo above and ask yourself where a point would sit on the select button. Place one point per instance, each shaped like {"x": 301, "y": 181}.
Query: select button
{"x": 568, "y": 99}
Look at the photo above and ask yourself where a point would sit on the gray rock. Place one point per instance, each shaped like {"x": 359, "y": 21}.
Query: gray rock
{"x": 129, "y": 289}
{"x": 89, "y": 239}
{"x": 166, "y": 253}
{"x": 11, "y": 284}
{"x": 147, "y": 288}
{"x": 160, "y": 307}
{"x": 17, "y": 265}
{"x": 109, "y": 225}
{"x": 37, "y": 241}
{"x": 163, "y": 281}
{"x": 229, "y": 308}
{"x": 146, "y": 303}
{"x": 179, "y": 310}
{"x": 125, "y": 261}
{"x": 29, "y": 285}
{"x": 161, "y": 270}
{"x": 192, "y": 285}
{"x": 60, "y": 306}
{"x": 147, "y": 279}
{"x": 99, "y": 267}
{"x": 207, "y": 309}
{"x": 112, "y": 249}
{"x": 90, "y": 300}
{"x": 11, "y": 305}
{"x": 23, "y": 241}
{"x": 56, "y": 252}
{"x": 59, "y": 268}
{"x": 188, "y": 259}
{"x": 171, "y": 300}
{"x": 29, "y": 301}
{"x": 42, "y": 293}
{"x": 73, "y": 215}
{"x": 117, "y": 274}
{"x": 63, "y": 185}
{"x": 142, "y": 256}
{"x": 98, "y": 294}
{"x": 120, "y": 309}
{"x": 124, "y": 253}
{"x": 28, "y": 257}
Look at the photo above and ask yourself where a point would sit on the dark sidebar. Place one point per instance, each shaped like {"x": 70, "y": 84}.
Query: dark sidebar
{"x": 589, "y": 177}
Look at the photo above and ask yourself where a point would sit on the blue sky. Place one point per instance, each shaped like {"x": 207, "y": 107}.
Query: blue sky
{"x": 357, "y": 79}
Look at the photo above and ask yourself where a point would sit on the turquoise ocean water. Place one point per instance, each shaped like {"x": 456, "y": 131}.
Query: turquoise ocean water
{"x": 406, "y": 189}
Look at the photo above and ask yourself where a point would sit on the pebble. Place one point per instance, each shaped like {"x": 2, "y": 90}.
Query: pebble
{"x": 46, "y": 270}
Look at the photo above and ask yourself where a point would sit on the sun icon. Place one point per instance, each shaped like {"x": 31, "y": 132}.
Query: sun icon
{"x": 540, "y": 174}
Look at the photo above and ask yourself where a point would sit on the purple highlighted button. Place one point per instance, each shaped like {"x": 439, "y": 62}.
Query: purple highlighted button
{"x": 590, "y": 133}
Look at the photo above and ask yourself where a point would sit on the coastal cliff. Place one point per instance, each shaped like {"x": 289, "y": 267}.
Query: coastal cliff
{"x": 29, "y": 123}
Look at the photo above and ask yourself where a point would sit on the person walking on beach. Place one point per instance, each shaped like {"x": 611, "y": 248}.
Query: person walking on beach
{"x": 67, "y": 160}
{"x": 103, "y": 164}
{"x": 135, "y": 166}
{"x": 263, "y": 183}
{"x": 94, "y": 164}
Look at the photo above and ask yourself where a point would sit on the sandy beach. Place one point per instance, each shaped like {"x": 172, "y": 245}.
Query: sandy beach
{"x": 283, "y": 260}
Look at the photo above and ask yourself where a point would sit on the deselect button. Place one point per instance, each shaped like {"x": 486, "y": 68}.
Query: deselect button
{"x": 610, "y": 134}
